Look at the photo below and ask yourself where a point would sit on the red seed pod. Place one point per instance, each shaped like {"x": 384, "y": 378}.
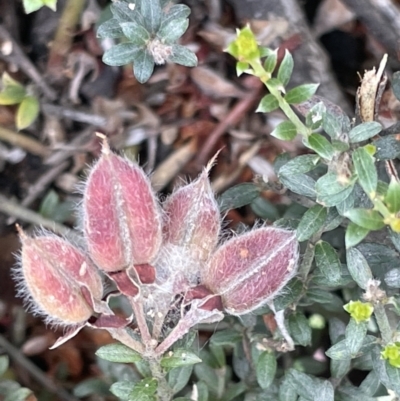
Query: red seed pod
{"x": 192, "y": 218}
{"x": 122, "y": 222}
{"x": 251, "y": 269}
{"x": 58, "y": 278}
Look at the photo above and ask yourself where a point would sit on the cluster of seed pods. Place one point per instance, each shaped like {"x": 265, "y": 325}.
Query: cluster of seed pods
{"x": 153, "y": 252}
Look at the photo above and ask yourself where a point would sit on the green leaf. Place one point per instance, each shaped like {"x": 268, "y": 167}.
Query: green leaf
{"x": 4, "y": 362}
{"x": 118, "y": 353}
{"x": 300, "y": 184}
{"x": 183, "y": 56}
{"x": 300, "y": 329}
{"x": 394, "y": 377}
{"x": 339, "y": 351}
{"x": 294, "y": 288}
{"x": 330, "y": 191}
{"x": 355, "y": 234}
{"x": 321, "y": 146}
{"x": 233, "y": 391}
{"x": 396, "y": 84}
{"x": 52, "y": 4}
{"x": 314, "y": 117}
{"x": 19, "y": 395}
{"x": 91, "y": 387}
{"x": 285, "y": 131}
{"x": 171, "y": 32}
{"x": 264, "y": 209}
{"x": 366, "y": 218}
{"x": 358, "y": 267}
{"x": 121, "y": 54}
{"x": 12, "y": 94}
{"x": 355, "y": 335}
{"x": 266, "y": 369}
{"x": 136, "y": 33}
{"x": 145, "y": 390}
{"x": 32, "y": 5}
{"x": 202, "y": 390}
{"x": 268, "y": 103}
{"x": 286, "y": 391}
{"x": 335, "y": 122}
{"x": 226, "y": 337}
{"x": 143, "y": 66}
{"x": 126, "y": 12}
{"x": 238, "y": 196}
{"x": 241, "y": 67}
{"x": 364, "y": 131}
{"x": 27, "y": 113}
{"x": 301, "y": 93}
{"x": 311, "y": 222}
{"x": 370, "y": 384}
{"x": 298, "y": 165}
{"x": 110, "y": 29}
{"x": 340, "y": 367}
{"x": 364, "y": 165}
{"x": 151, "y": 12}
{"x": 270, "y": 61}
{"x": 175, "y": 12}
{"x": 178, "y": 378}
{"x": 327, "y": 260}
{"x": 392, "y": 198}
{"x": 286, "y": 68}
{"x": 179, "y": 357}
{"x": 392, "y": 279}
{"x": 387, "y": 147}
{"x": 209, "y": 376}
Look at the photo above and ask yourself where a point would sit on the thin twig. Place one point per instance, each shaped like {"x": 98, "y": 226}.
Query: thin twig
{"x": 34, "y": 371}
{"x": 18, "y": 57}
{"x": 234, "y": 117}
{"x": 29, "y": 144}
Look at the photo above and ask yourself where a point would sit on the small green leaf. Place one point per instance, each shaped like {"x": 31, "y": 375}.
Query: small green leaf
{"x": 118, "y": 353}
{"x": 311, "y": 222}
{"x": 321, "y": 146}
{"x": 170, "y": 33}
{"x": 364, "y": 165}
{"x": 298, "y": 165}
{"x": 301, "y": 184}
{"x": 315, "y": 116}
{"x": 265, "y": 209}
{"x": 12, "y": 94}
{"x": 145, "y": 390}
{"x": 121, "y": 54}
{"x": 396, "y": 84}
{"x": 301, "y": 93}
{"x": 286, "y": 131}
{"x": 387, "y": 147}
{"x": 178, "y": 378}
{"x": 335, "y": 122}
{"x": 392, "y": 198}
{"x": 286, "y": 68}
{"x": 19, "y": 395}
{"x": 394, "y": 377}
{"x": 339, "y": 351}
{"x": 179, "y": 357}
{"x": 355, "y": 234}
{"x": 331, "y": 191}
{"x": 270, "y": 62}
{"x": 340, "y": 367}
{"x": 226, "y": 337}
{"x": 110, "y": 29}
{"x": 175, "y": 12}
{"x": 4, "y": 362}
{"x": 392, "y": 279}
{"x": 125, "y": 12}
{"x": 143, "y": 66}
{"x": 366, "y": 218}
{"x": 268, "y": 103}
{"x": 52, "y": 4}
{"x": 364, "y": 131}
{"x": 238, "y": 196}
{"x": 327, "y": 260}
{"x": 32, "y": 5}
{"x": 300, "y": 329}
{"x": 151, "y": 12}
{"x": 136, "y": 33}
{"x": 355, "y": 334}
{"x": 27, "y": 113}
{"x": 266, "y": 369}
{"x": 358, "y": 267}
{"x": 183, "y": 56}
{"x": 242, "y": 67}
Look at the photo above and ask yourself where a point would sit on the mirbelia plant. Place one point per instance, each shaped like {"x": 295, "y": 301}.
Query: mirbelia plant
{"x": 168, "y": 261}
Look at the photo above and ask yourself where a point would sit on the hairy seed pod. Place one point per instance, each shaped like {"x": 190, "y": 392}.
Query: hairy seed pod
{"x": 122, "y": 222}
{"x": 60, "y": 280}
{"x": 192, "y": 218}
{"x": 251, "y": 269}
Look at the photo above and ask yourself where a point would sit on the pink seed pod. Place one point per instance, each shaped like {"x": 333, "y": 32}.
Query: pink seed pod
{"x": 249, "y": 270}
{"x": 192, "y": 218}
{"x": 60, "y": 281}
{"x": 122, "y": 222}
